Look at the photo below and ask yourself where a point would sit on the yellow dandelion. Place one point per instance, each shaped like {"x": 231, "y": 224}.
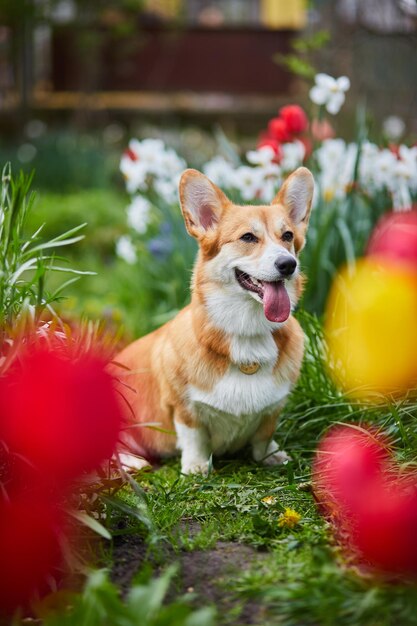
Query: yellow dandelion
{"x": 269, "y": 500}
{"x": 289, "y": 518}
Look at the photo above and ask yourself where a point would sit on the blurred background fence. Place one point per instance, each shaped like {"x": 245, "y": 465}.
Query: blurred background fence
{"x": 129, "y": 53}
{"x": 197, "y": 58}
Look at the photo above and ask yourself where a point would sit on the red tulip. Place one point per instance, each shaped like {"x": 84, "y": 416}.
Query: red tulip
{"x": 278, "y": 130}
{"x": 395, "y": 238}
{"x": 348, "y": 464}
{"x": 294, "y": 118}
{"x": 372, "y": 508}
{"x": 29, "y": 547}
{"x": 385, "y": 528}
{"x": 59, "y": 411}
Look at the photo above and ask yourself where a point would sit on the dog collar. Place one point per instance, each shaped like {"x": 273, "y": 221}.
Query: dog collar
{"x": 249, "y": 368}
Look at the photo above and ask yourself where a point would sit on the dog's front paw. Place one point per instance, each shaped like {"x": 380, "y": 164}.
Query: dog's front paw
{"x": 196, "y": 466}
{"x": 268, "y": 453}
{"x": 277, "y": 458}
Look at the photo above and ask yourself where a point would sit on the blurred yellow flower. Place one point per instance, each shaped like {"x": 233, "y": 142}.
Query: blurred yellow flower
{"x": 289, "y": 518}
{"x": 371, "y": 329}
{"x": 269, "y": 500}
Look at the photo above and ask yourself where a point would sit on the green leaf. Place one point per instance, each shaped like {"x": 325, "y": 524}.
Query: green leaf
{"x": 91, "y": 523}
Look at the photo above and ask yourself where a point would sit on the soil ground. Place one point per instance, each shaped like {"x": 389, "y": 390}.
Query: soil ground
{"x": 203, "y": 573}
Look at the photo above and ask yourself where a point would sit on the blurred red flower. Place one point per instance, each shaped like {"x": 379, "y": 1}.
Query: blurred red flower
{"x": 347, "y": 465}
{"x": 295, "y": 119}
{"x": 278, "y": 130}
{"x": 372, "y": 506}
{"x": 395, "y": 238}
{"x": 287, "y": 127}
{"x": 386, "y": 527}
{"x": 30, "y": 550}
{"x": 59, "y": 410}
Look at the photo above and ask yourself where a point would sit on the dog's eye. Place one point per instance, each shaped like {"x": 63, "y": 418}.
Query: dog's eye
{"x": 249, "y": 238}
{"x": 288, "y": 236}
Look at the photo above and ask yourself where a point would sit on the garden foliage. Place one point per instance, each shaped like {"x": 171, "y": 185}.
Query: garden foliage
{"x": 355, "y": 183}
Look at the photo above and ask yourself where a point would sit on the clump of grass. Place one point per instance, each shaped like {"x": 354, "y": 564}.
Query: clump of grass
{"x": 25, "y": 261}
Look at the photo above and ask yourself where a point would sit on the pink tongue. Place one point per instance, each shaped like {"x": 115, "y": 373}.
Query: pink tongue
{"x": 277, "y": 305}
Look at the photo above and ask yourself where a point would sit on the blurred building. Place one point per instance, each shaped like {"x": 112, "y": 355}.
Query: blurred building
{"x": 187, "y": 55}
{"x": 201, "y": 57}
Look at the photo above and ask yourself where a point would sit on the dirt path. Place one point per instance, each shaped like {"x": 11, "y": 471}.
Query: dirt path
{"x": 204, "y": 573}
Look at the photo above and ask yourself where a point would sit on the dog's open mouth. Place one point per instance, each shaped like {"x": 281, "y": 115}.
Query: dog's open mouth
{"x": 274, "y": 296}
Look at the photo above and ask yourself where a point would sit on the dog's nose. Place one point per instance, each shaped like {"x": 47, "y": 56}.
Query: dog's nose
{"x": 286, "y": 265}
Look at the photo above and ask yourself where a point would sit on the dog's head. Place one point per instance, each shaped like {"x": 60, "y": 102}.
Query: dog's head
{"x": 248, "y": 254}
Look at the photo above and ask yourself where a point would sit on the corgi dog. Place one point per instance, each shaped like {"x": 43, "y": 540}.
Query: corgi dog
{"x": 215, "y": 378}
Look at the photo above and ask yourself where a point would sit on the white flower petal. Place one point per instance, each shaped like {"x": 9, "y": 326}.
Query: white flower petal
{"x": 292, "y": 155}
{"x": 325, "y": 81}
{"x": 343, "y": 83}
{"x": 335, "y": 102}
{"x": 126, "y": 250}
{"x": 261, "y": 156}
{"x": 318, "y": 95}
{"x": 138, "y": 214}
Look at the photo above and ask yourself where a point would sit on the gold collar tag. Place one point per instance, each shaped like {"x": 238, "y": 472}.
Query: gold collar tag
{"x": 249, "y": 368}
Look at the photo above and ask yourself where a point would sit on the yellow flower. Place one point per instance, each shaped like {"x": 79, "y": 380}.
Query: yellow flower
{"x": 289, "y": 518}
{"x": 269, "y": 500}
{"x": 358, "y": 315}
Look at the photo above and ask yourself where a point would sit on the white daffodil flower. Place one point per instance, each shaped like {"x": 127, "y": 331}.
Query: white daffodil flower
{"x": 220, "y": 172}
{"x": 134, "y": 173}
{"x": 263, "y": 156}
{"x": 248, "y": 181}
{"x": 167, "y": 189}
{"x": 270, "y": 188}
{"x": 330, "y": 92}
{"x": 292, "y": 155}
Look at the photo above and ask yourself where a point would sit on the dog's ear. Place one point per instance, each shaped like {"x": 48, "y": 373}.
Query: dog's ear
{"x": 202, "y": 203}
{"x": 296, "y": 195}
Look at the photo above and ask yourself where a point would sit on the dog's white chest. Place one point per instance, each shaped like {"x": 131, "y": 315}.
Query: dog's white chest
{"x": 232, "y": 410}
